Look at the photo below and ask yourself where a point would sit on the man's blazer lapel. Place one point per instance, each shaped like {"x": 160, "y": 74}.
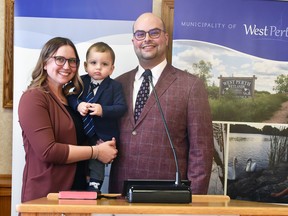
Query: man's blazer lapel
{"x": 129, "y": 95}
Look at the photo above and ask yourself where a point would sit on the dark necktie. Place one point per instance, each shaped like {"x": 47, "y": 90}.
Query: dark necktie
{"x": 142, "y": 95}
{"x": 89, "y": 128}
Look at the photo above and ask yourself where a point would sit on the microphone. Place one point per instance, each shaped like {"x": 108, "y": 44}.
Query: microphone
{"x": 157, "y": 191}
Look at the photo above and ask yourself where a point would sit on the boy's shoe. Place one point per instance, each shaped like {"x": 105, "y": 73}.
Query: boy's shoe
{"x": 94, "y": 185}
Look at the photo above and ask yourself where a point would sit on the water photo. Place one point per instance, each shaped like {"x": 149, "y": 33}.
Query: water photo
{"x": 258, "y": 162}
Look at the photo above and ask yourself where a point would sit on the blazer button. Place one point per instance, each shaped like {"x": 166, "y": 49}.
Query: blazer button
{"x": 134, "y": 133}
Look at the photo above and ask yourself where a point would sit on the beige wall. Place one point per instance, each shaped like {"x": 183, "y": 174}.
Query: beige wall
{"x": 6, "y": 114}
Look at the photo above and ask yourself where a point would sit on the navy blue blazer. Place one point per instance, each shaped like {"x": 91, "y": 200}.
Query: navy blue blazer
{"x": 110, "y": 96}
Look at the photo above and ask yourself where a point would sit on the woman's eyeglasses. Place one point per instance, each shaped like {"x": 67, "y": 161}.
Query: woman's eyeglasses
{"x": 60, "y": 61}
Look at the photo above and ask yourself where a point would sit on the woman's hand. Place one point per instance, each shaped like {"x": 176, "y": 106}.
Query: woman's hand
{"x": 107, "y": 151}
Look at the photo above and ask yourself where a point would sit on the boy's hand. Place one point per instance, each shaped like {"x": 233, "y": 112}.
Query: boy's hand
{"x": 95, "y": 109}
{"x": 83, "y": 108}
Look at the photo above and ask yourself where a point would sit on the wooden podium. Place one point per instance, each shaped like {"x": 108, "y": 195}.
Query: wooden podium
{"x": 201, "y": 204}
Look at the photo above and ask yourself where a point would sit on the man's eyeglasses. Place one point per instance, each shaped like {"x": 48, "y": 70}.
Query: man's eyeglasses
{"x": 153, "y": 33}
{"x": 60, "y": 61}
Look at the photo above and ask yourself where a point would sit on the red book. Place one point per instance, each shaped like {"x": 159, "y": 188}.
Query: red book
{"x": 78, "y": 195}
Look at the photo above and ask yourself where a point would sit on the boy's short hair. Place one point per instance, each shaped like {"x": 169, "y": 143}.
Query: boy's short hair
{"x": 101, "y": 47}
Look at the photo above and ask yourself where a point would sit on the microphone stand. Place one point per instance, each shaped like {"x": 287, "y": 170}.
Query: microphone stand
{"x": 178, "y": 176}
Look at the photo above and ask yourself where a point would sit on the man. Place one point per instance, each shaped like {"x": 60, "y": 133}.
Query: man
{"x": 144, "y": 149}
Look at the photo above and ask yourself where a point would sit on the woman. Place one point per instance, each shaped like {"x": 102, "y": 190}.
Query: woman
{"x": 52, "y": 133}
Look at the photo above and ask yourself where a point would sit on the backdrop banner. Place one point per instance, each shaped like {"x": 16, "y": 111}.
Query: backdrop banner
{"x": 84, "y": 22}
{"x": 239, "y": 49}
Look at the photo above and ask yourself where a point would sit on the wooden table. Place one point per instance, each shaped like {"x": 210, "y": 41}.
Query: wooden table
{"x": 201, "y": 204}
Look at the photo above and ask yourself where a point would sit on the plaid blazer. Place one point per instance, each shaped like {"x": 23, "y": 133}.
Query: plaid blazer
{"x": 144, "y": 149}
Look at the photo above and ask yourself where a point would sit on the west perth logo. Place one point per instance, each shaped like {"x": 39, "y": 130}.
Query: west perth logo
{"x": 266, "y": 31}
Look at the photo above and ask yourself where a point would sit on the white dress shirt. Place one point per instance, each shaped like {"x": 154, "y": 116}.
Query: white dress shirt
{"x": 156, "y": 72}
{"x": 96, "y": 82}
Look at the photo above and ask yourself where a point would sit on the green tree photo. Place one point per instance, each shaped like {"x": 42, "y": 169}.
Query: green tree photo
{"x": 203, "y": 69}
{"x": 229, "y": 107}
{"x": 281, "y": 84}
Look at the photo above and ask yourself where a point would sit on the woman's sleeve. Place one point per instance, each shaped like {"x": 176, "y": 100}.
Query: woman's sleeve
{"x": 37, "y": 128}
